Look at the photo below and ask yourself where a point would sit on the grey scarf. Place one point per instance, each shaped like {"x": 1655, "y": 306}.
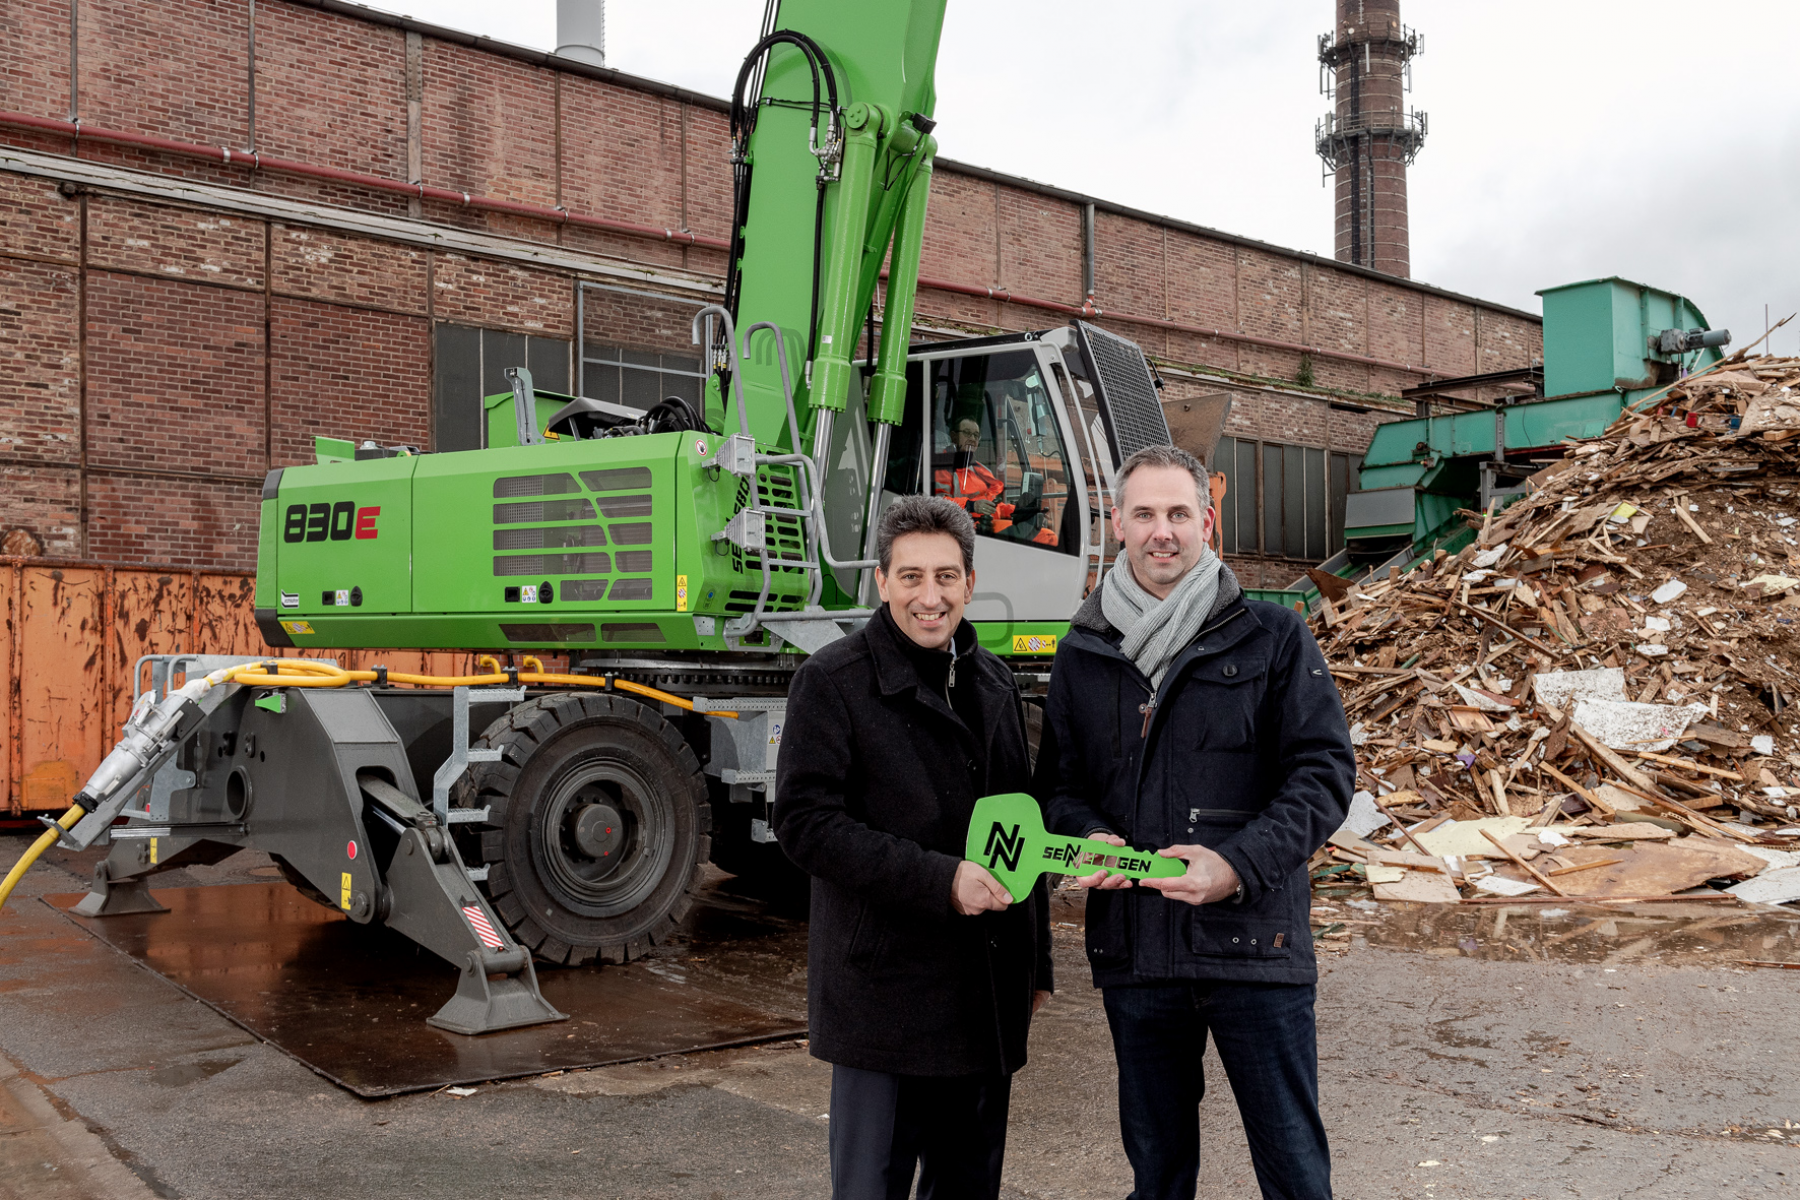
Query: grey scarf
{"x": 1157, "y": 630}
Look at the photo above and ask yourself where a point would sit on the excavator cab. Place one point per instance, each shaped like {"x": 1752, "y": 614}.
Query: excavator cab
{"x": 1027, "y": 433}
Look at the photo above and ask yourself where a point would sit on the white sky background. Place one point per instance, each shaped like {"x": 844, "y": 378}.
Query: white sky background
{"x": 1651, "y": 139}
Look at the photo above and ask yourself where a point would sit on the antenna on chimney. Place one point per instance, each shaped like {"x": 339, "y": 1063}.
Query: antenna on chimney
{"x": 1370, "y": 137}
{"x": 581, "y": 31}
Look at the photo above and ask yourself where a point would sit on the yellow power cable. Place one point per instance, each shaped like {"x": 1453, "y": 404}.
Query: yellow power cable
{"x": 318, "y": 674}
{"x": 49, "y": 838}
{"x": 277, "y": 672}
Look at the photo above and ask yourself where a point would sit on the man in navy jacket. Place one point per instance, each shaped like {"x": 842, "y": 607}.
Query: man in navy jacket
{"x": 1183, "y": 716}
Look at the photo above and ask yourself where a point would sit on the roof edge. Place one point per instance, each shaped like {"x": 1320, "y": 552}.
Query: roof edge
{"x": 543, "y": 58}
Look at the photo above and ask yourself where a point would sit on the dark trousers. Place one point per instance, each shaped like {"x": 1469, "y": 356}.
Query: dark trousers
{"x": 883, "y": 1126}
{"x": 1268, "y": 1045}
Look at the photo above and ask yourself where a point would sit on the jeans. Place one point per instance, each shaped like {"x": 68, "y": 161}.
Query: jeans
{"x": 1267, "y": 1042}
{"x": 883, "y": 1125}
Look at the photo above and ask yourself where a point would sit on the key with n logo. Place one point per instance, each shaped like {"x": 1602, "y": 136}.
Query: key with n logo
{"x": 1007, "y": 836}
{"x": 1004, "y": 847}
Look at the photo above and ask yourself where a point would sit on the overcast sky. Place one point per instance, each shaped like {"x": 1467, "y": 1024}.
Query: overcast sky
{"x": 1655, "y": 140}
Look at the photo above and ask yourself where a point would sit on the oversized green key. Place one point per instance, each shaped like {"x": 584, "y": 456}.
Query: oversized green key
{"x": 1006, "y": 835}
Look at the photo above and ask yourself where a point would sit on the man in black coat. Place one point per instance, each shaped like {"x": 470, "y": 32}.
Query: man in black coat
{"x": 922, "y": 973}
{"x": 1185, "y": 717}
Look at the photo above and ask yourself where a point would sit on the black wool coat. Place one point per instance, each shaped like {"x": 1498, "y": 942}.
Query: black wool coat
{"x": 1246, "y": 752}
{"x": 876, "y": 782}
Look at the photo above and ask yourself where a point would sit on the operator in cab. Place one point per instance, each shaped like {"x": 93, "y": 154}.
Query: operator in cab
{"x": 967, "y": 482}
{"x": 922, "y": 972}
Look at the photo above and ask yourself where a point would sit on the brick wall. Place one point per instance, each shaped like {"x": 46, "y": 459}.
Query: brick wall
{"x": 341, "y": 372}
{"x": 159, "y": 357}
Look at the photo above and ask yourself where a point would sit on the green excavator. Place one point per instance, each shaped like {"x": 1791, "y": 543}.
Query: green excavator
{"x": 681, "y": 559}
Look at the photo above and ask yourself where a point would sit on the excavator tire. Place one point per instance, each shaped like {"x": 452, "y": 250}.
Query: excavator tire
{"x": 597, "y": 825}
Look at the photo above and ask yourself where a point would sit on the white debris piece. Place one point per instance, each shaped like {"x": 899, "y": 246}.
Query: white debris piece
{"x": 1650, "y": 649}
{"x": 1656, "y": 624}
{"x": 1771, "y": 887}
{"x": 1559, "y": 689}
{"x": 1488, "y": 558}
{"x": 1499, "y": 885}
{"x": 1552, "y": 838}
{"x": 1668, "y": 591}
{"x": 1778, "y": 860}
{"x": 1463, "y": 838}
{"x": 1763, "y": 743}
{"x": 1627, "y": 725}
{"x": 1364, "y": 817}
{"x": 1771, "y": 584}
{"x": 1480, "y": 700}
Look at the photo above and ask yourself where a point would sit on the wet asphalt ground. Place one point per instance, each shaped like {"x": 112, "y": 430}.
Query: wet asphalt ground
{"x": 1520, "y": 1051}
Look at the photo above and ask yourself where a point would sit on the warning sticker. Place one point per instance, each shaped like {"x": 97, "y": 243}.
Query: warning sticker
{"x": 1034, "y": 643}
{"x": 484, "y": 928}
{"x": 297, "y": 627}
{"x": 344, "y": 893}
{"x": 681, "y": 593}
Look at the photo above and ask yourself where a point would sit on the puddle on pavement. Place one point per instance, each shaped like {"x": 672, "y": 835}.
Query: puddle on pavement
{"x": 1675, "y": 934}
{"x": 182, "y": 1074}
{"x": 351, "y": 1001}
{"x": 1577, "y": 933}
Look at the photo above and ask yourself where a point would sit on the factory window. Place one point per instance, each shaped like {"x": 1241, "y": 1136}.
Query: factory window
{"x": 1283, "y": 501}
{"x": 639, "y": 378}
{"x": 469, "y": 364}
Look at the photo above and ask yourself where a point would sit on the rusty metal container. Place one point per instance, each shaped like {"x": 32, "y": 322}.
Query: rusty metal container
{"x": 71, "y": 633}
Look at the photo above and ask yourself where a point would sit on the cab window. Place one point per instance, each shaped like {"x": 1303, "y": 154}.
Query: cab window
{"x": 993, "y": 444}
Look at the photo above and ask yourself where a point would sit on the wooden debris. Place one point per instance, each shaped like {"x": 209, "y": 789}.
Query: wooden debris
{"x": 1662, "y": 556}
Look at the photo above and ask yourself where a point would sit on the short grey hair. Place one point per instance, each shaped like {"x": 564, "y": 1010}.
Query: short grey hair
{"x": 1167, "y": 456}
{"x": 924, "y": 514}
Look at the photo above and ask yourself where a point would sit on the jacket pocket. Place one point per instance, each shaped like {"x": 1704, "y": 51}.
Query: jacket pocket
{"x": 1234, "y": 937}
{"x": 1219, "y": 709}
{"x": 867, "y": 939}
{"x": 1225, "y": 782}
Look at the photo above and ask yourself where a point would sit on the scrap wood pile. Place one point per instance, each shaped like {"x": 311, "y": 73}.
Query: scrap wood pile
{"x": 1594, "y": 698}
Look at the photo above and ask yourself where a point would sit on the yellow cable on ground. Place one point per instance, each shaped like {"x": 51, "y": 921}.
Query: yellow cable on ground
{"x": 66, "y": 821}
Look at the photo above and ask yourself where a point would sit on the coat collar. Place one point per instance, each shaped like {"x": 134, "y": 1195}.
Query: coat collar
{"x": 895, "y": 673}
{"x": 894, "y": 670}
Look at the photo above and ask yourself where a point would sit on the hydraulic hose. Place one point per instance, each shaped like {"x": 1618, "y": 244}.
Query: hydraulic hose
{"x": 153, "y": 726}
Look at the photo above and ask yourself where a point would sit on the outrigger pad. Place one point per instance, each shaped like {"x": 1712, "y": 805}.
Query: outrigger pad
{"x": 116, "y": 897}
{"x": 1006, "y": 835}
{"x": 484, "y": 1005}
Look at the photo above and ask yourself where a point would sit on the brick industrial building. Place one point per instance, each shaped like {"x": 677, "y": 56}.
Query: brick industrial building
{"x": 282, "y": 218}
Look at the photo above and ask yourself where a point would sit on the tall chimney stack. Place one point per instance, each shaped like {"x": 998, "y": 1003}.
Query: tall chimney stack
{"x": 1368, "y": 139}
{"x": 581, "y": 30}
